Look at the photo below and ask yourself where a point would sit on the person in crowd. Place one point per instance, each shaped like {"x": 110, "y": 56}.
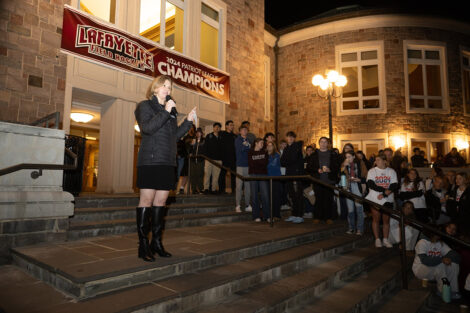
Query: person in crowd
{"x": 363, "y": 159}
{"x": 324, "y": 166}
{"x": 399, "y": 164}
{"x": 412, "y": 189}
{"x": 242, "y": 146}
{"x": 339, "y": 198}
{"x": 435, "y": 171}
{"x": 435, "y": 260}
{"x": 382, "y": 182}
{"x": 436, "y": 201}
{"x": 274, "y": 169}
{"x": 308, "y": 190}
{"x": 450, "y": 175}
{"x": 372, "y": 160}
{"x": 183, "y": 147}
{"x": 269, "y": 137}
{"x": 355, "y": 176}
{"x": 251, "y": 137}
{"x": 417, "y": 160}
{"x": 156, "y": 163}
{"x": 423, "y": 154}
{"x": 450, "y": 229}
{"x": 454, "y": 159}
{"x": 292, "y": 160}
{"x": 439, "y": 161}
{"x": 258, "y": 166}
{"x": 284, "y": 199}
{"x": 213, "y": 149}
{"x": 411, "y": 233}
{"x": 197, "y": 163}
{"x": 459, "y": 201}
{"x": 388, "y": 152}
{"x": 228, "y": 158}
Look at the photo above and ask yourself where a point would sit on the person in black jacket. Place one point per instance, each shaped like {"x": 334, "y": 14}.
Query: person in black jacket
{"x": 156, "y": 163}
{"x": 213, "y": 149}
{"x": 324, "y": 165}
{"x": 292, "y": 160}
{"x": 197, "y": 164}
{"x": 228, "y": 159}
{"x": 459, "y": 201}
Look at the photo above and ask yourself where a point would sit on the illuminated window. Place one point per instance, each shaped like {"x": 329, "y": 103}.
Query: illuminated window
{"x": 425, "y": 77}
{"x": 466, "y": 81}
{"x": 152, "y": 12}
{"x": 362, "y": 66}
{"x": 104, "y": 9}
{"x": 210, "y": 43}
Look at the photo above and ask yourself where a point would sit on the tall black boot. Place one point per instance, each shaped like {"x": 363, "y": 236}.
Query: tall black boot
{"x": 142, "y": 218}
{"x": 158, "y": 222}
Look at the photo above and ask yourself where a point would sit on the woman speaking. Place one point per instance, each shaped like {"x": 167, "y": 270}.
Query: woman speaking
{"x": 156, "y": 164}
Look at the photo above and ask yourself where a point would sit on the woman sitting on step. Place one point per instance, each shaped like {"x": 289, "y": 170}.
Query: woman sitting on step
{"x": 156, "y": 164}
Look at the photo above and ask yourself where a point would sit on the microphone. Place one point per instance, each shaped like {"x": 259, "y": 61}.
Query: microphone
{"x": 173, "y": 111}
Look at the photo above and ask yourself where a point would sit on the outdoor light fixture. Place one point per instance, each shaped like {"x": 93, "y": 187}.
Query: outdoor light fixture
{"x": 81, "y": 117}
{"x": 398, "y": 142}
{"x": 137, "y": 128}
{"x": 329, "y": 87}
{"x": 461, "y": 144}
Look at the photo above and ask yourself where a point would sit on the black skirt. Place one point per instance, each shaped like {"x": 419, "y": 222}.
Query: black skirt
{"x": 158, "y": 177}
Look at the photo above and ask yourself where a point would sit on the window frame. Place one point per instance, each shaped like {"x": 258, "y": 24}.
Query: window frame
{"x": 464, "y": 51}
{"x": 220, "y": 7}
{"x": 357, "y": 48}
{"x": 427, "y": 45}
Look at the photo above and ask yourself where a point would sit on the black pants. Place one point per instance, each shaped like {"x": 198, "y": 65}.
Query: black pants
{"x": 295, "y": 191}
{"x": 276, "y": 198}
{"x": 223, "y": 174}
{"x": 324, "y": 206}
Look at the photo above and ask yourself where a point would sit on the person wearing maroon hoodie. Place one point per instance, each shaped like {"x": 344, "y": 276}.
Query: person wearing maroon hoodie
{"x": 258, "y": 166}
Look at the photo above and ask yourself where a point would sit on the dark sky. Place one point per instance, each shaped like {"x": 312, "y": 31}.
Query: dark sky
{"x": 283, "y": 13}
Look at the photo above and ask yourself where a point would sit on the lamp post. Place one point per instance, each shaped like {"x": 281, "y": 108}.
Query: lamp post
{"x": 328, "y": 87}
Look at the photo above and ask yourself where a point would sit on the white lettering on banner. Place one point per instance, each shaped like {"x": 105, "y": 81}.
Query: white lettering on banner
{"x": 172, "y": 68}
{"x": 113, "y": 46}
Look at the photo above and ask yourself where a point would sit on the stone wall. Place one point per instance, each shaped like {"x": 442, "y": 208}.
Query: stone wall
{"x": 245, "y": 63}
{"x": 32, "y": 71}
{"x": 305, "y": 113}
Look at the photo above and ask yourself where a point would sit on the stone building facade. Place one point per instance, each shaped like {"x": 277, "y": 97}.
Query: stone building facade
{"x": 313, "y": 48}
{"x": 32, "y": 70}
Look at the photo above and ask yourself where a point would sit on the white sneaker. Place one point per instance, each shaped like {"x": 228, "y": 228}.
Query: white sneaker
{"x": 378, "y": 243}
{"x": 258, "y": 220}
{"x": 285, "y": 207}
{"x": 308, "y": 215}
{"x": 387, "y": 243}
{"x": 237, "y": 209}
{"x": 248, "y": 209}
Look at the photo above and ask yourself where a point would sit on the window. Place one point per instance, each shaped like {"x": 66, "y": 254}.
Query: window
{"x": 104, "y": 9}
{"x": 425, "y": 78}
{"x": 466, "y": 81}
{"x": 210, "y": 42}
{"x": 432, "y": 148}
{"x": 171, "y": 34}
{"x": 362, "y": 64}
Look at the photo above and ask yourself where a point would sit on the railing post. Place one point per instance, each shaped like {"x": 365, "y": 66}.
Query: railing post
{"x": 271, "y": 200}
{"x": 188, "y": 192}
{"x": 404, "y": 267}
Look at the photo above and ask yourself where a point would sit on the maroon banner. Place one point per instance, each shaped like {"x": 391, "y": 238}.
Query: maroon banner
{"x": 87, "y": 37}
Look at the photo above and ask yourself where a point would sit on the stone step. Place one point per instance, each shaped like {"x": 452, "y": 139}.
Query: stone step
{"x": 286, "y": 293}
{"x": 126, "y": 200}
{"x": 85, "y": 269}
{"x": 119, "y": 213}
{"x": 84, "y": 229}
{"x": 414, "y": 299}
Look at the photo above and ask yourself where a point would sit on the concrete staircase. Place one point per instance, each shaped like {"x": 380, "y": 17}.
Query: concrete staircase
{"x": 97, "y": 216}
{"x": 239, "y": 266}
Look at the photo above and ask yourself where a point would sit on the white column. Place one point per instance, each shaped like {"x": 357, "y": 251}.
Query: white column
{"x": 116, "y": 158}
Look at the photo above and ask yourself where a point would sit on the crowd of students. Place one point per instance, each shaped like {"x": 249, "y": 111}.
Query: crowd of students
{"x": 388, "y": 179}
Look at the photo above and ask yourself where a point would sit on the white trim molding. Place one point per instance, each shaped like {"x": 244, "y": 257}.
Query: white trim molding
{"x": 372, "y": 21}
{"x": 269, "y": 39}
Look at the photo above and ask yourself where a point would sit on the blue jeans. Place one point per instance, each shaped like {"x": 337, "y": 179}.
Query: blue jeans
{"x": 359, "y": 210}
{"x": 261, "y": 187}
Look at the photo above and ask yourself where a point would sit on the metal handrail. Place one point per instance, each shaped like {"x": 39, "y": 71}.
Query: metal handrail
{"x": 41, "y": 166}
{"x": 396, "y": 214}
{"x": 46, "y": 119}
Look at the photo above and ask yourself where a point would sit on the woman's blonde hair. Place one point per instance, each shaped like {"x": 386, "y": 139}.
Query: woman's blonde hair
{"x": 156, "y": 83}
